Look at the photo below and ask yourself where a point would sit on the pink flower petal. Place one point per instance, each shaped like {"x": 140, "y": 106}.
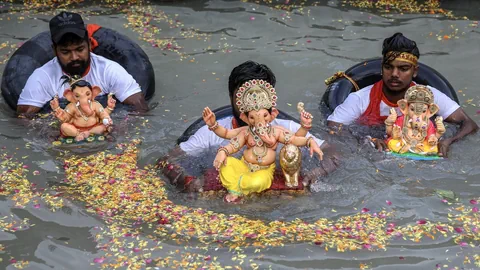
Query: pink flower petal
{"x": 37, "y": 206}
{"x": 136, "y": 250}
{"x": 98, "y": 260}
{"x": 148, "y": 261}
{"x": 365, "y": 210}
{"x": 475, "y": 209}
{"x": 421, "y": 222}
{"x": 458, "y": 230}
{"x": 444, "y": 201}
{"x": 252, "y": 18}
{"x": 473, "y": 202}
{"x": 475, "y": 230}
{"x": 208, "y": 258}
{"x": 367, "y": 246}
{"x": 388, "y": 202}
{"x": 463, "y": 244}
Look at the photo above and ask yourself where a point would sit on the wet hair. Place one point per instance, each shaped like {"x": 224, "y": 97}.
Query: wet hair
{"x": 246, "y": 71}
{"x": 398, "y": 43}
{"x": 71, "y": 39}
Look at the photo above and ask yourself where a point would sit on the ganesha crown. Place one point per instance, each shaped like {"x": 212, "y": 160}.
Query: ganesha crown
{"x": 419, "y": 94}
{"x": 255, "y": 95}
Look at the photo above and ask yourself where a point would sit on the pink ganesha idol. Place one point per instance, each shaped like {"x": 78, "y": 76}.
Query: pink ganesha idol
{"x": 414, "y": 132}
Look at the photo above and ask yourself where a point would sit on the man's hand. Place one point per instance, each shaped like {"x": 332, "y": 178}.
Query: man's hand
{"x": 380, "y": 145}
{"x": 443, "y": 146}
{"x": 138, "y": 102}
{"x": 209, "y": 117}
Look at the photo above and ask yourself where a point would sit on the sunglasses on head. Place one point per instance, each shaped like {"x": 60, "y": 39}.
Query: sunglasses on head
{"x": 80, "y": 83}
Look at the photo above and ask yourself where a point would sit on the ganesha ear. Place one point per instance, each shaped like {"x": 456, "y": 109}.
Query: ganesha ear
{"x": 274, "y": 113}
{"x": 95, "y": 91}
{"x": 403, "y": 106}
{"x": 244, "y": 117}
{"x": 68, "y": 94}
{"x": 432, "y": 109}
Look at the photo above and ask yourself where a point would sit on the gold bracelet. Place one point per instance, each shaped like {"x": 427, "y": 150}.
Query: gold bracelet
{"x": 387, "y": 123}
{"x": 108, "y": 108}
{"x": 306, "y": 126}
{"x": 215, "y": 126}
{"x": 224, "y": 149}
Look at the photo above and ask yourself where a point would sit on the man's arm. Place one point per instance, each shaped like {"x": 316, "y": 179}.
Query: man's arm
{"x": 124, "y": 87}
{"x": 35, "y": 94}
{"x": 27, "y": 111}
{"x": 138, "y": 102}
{"x": 467, "y": 126}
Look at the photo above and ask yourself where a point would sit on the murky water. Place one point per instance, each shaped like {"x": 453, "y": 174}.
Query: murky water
{"x": 303, "y": 46}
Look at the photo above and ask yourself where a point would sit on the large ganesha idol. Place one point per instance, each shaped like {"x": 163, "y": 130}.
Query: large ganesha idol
{"x": 254, "y": 172}
{"x": 414, "y": 132}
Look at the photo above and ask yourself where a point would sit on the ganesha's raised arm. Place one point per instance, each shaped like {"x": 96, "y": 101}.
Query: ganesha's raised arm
{"x": 287, "y": 137}
{"x": 60, "y": 113}
{"x": 220, "y": 131}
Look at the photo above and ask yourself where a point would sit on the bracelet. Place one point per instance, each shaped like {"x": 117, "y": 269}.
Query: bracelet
{"x": 306, "y": 126}
{"x": 309, "y": 141}
{"x": 108, "y": 108}
{"x": 224, "y": 149}
{"x": 387, "y": 123}
{"x": 215, "y": 126}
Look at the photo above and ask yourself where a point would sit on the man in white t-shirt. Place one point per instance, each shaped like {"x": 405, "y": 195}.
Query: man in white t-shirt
{"x": 73, "y": 57}
{"x": 204, "y": 139}
{"x": 371, "y": 105}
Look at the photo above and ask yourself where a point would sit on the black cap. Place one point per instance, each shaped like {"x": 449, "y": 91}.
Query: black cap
{"x": 67, "y": 22}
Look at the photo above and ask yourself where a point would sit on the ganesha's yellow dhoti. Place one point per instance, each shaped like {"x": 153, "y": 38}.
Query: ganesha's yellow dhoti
{"x": 396, "y": 145}
{"x": 240, "y": 178}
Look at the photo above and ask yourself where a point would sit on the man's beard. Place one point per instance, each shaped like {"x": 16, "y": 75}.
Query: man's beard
{"x": 76, "y": 70}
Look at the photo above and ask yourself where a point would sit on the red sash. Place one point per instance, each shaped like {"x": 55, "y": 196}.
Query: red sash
{"x": 371, "y": 116}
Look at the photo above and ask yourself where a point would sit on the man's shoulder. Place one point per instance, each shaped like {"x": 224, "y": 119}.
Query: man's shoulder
{"x": 364, "y": 90}
{"x": 102, "y": 61}
{"x": 49, "y": 70}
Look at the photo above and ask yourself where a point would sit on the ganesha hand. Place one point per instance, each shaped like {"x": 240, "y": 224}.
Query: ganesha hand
{"x": 107, "y": 121}
{"x": 432, "y": 140}
{"x": 396, "y": 132}
{"x": 220, "y": 159}
{"x": 391, "y": 118}
{"x": 314, "y": 148}
{"x": 54, "y": 104}
{"x": 111, "y": 102}
{"x": 306, "y": 119}
{"x": 209, "y": 117}
{"x": 439, "y": 124}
